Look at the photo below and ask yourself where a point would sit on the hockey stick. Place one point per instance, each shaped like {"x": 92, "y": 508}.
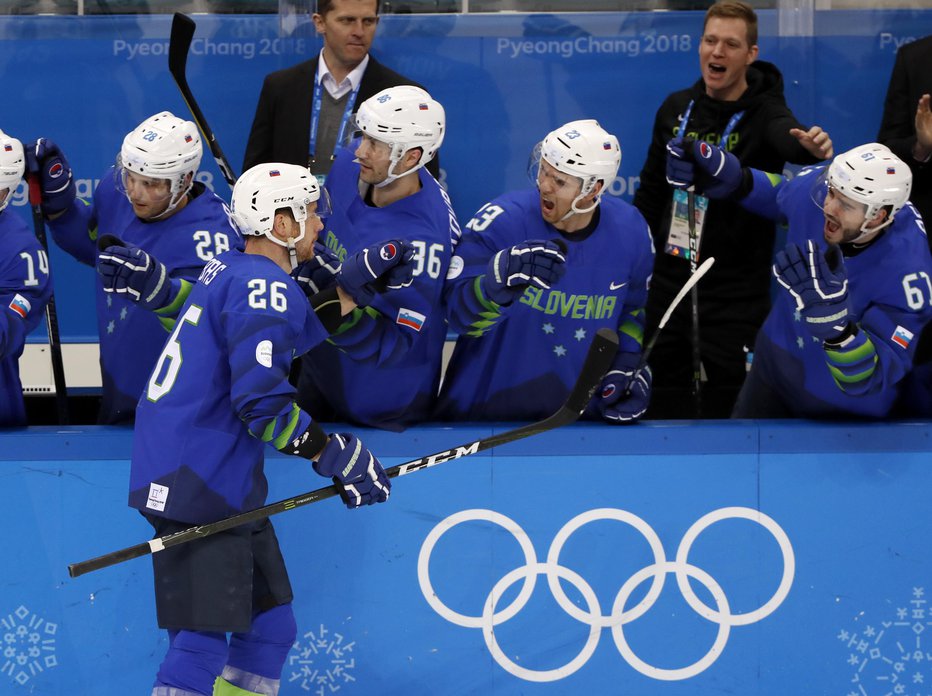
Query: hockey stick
{"x": 51, "y": 315}
{"x": 694, "y": 299}
{"x": 597, "y": 362}
{"x": 687, "y": 286}
{"x": 178, "y": 46}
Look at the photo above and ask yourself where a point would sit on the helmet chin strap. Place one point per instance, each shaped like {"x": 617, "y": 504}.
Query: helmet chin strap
{"x": 586, "y": 190}
{"x": 292, "y": 251}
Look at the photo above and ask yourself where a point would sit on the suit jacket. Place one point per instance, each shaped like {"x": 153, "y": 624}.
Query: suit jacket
{"x": 911, "y": 78}
{"x": 281, "y": 128}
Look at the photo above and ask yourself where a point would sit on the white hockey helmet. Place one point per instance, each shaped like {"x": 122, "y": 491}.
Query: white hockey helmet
{"x": 267, "y": 188}
{"x": 12, "y": 166}
{"x": 871, "y": 174}
{"x": 403, "y": 117}
{"x": 582, "y": 149}
{"x": 163, "y": 147}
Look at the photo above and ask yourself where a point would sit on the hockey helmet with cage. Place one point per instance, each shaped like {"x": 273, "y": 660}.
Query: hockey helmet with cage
{"x": 871, "y": 174}
{"x": 582, "y": 149}
{"x": 162, "y": 147}
{"x": 269, "y": 187}
{"x": 403, "y": 117}
{"x": 12, "y": 166}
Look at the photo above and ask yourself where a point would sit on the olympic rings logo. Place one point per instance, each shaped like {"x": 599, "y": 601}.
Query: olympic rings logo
{"x": 620, "y": 615}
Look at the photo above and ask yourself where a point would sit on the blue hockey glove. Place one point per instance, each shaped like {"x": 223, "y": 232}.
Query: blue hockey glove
{"x": 56, "y": 182}
{"x": 130, "y": 270}
{"x": 375, "y": 269}
{"x": 539, "y": 263}
{"x": 819, "y": 284}
{"x": 354, "y": 469}
{"x": 680, "y": 169}
{"x": 320, "y": 272}
{"x": 624, "y": 396}
{"x": 718, "y": 173}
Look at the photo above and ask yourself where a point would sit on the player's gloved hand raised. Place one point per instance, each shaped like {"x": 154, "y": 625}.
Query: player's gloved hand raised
{"x": 819, "y": 284}
{"x": 56, "y": 182}
{"x": 624, "y": 396}
{"x": 680, "y": 169}
{"x": 380, "y": 267}
{"x": 131, "y": 271}
{"x": 320, "y": 272}
{"x": 354, "y": 469}
{"x": 718, "y": 174}
{"x": 539, "y": 263}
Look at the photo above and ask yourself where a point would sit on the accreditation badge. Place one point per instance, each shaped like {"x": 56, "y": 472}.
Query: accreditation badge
{"x": 678, "y": 242}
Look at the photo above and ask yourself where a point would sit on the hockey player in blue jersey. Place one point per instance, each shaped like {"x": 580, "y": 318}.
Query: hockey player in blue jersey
{"x": 382, "y": 367}
{"x": 537, "y": 273}
{"x": 854, "y": 280}
{"x": 170, "y": 223}
{"x": 204, "y": 421}
{"x": 25, "y": 285}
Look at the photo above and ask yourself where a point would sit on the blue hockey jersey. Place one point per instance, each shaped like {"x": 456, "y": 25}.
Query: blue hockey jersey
{"x": 25, "y": 288}
{"x": 381, "y": 368}
{"x": 889, "y": 289}
{"x": 519, "y": 362}
{"x": 130, "y": 336}
{"x": 203, "y": 421}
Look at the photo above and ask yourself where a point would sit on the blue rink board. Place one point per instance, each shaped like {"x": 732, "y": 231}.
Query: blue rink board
{"x": 805, "y": 548}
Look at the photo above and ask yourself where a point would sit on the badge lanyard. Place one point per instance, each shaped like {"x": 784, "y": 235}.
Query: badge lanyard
{"x": 315, "y": 118}
{"x": 686, "y": 224}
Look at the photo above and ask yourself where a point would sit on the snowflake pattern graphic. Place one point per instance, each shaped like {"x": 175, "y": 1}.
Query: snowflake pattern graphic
{"x": 890, "y": 657}
{"x": 321, "y": 662}
{"x": 28, "y": 645}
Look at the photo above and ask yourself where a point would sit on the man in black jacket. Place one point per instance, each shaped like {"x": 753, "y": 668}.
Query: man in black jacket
{"x": 304, "y": 110}
{"x": 738, "y": 103}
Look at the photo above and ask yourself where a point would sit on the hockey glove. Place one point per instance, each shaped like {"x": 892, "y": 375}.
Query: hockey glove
{"x": 56, "y": 182}
{"x": 680, "y": 168}
{"x": 355, "y": 470}
{"x": 375, "y": 269}
{"x": 819, "y": 284}
{"x": 320, "y": 272}
{"x": 538, "y": 263}
{"x": 130, "y": 270}
{"x": 624, "y": 395}
{"x": 718, "y": 174}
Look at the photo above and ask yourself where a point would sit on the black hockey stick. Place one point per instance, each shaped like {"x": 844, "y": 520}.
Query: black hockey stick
{"x": 178, "y": 46}
{"x": 51, "y": 315}
{"x": 694, "y": 300}
{"x": 597, "y": 362}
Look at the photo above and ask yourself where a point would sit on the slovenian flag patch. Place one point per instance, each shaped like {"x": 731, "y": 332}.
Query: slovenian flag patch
{"x": 902, "y": 337}
{"x": 410, "y": 318}
{"x": 20, "y": 305}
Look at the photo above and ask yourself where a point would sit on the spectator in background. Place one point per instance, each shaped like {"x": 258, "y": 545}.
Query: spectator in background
{"x": 304, "y": 110}
{"x": 841, "y": 335}
{"x": 25, "y": 285}
{"x": 537, "y": 273}
{"x": 907, "y": 130}
{"x": 158, "y": 227}
{"x": 738, "y": 103}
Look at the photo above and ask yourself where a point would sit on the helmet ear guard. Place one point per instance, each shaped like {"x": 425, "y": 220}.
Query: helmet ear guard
{"x": 871, "y": 174}
{"x": 582, "y": 149}
{"x": 403, "y": 117}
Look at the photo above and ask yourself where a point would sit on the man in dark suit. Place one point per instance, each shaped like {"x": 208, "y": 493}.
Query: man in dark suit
{"x": 907, "y": 120}
{"x": 305, "y": 110}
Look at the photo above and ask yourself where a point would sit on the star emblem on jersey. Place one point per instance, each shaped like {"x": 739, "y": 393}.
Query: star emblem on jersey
{"x": 548, "y": 328}
{"x": 111, "y": 326}
{"x": 123, "y": 313}
{"x": 580, "y": 334}
{"x": 560, "y": 351}
{"x": 800, "y": 342}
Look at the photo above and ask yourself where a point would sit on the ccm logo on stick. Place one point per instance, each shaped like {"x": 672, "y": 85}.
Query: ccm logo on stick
{"x": 439, "y": 458}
